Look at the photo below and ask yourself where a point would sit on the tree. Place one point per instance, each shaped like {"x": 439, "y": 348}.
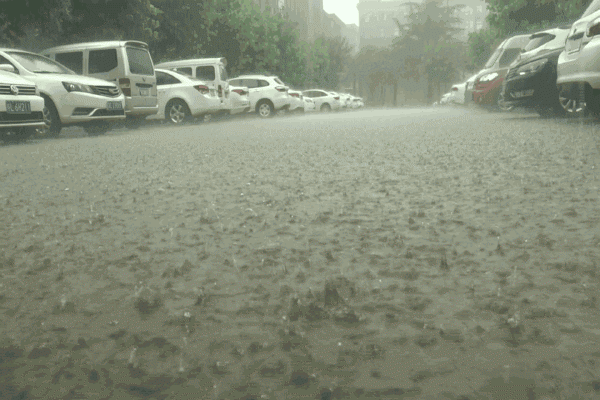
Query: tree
{"x": 428, "y": 46}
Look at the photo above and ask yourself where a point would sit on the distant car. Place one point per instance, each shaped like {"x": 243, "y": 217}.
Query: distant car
{"x": 358, "y": 102}
{"x": 324, "y": 101}
{"x": 181, "y": 98}
{"x": 445, "y": 99}
{"x": 296, "y": 101}
{"x": 267, "y": 93}
{"x": 309, "y": 104}
{"x": 21, "y": 108}
{"x": 345, "y": 101}
{"x": 531, "y": 80}
{"x": 239, "y": 100}
{"x": 578, "y": 66}
{"x": 459, "y": 91}
{"x": 487, "y": 86}
{"x": 70, "y": 99}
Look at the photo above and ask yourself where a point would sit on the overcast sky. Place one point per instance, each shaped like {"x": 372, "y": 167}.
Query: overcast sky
{"x": 345, "y": 9}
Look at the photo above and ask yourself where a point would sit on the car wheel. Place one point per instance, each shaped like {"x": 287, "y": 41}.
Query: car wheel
{"x": 16, "y": 135}
{"x": 264, "y": 109}
{"x": 51, "y": 118}
{"x": 325, "y": 108}
{"x": 576, "y": 100}
{"x": 97, "y": 128}
{"x": 177, "y": 112}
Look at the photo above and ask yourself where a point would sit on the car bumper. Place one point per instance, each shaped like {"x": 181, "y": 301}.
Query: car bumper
{"x": 34, "y": 118}
{"x": 531, "y": 91}
{"x": 281, "y": 102}
{"x": 79, "y": 108}
{"x": 487, "y": 94}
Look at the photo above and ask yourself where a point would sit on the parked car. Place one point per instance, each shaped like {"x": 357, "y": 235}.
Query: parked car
{"x": 345, "y": 101}
{"x": 69, "y": 99}
{"x": 487, "y": 85}
{"x": 239, "y": 100}
{"x": 127, "y": 63}
{"x": 324, "y": 101}
{"x": 212, "y": 71}
{"x": 309, "y": 104}
{"x": 459, "y": 91}
{"x": 268, "y": 94}
{"x": 578, "y": 66}
{"x": 358, "y": 102}
{"x": 181, "y": 98}
{"x": 296, "y": 101}
{"x": 531, "y": 80}
{"x": 21, "y": 107}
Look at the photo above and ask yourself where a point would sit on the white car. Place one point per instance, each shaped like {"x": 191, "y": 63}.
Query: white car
{"x": 296, "y": 101}
{"x": 181, "y": 97}
{"x": 268, "y": 94}
{"x": 459, "y": 91}
{"x": 21, "y": 108}
{"x": 309, "y": 104}
{"x": 239, "y": 100}
{"x": 357, "y": 102}
{"x": 70, "y": 99}
{"x": 324, "y": 101}
{"x": 345, "y": 101}
{"x": 578, "y": 69}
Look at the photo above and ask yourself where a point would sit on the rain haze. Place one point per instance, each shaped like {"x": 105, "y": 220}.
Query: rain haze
{"x": 260, "y": 199}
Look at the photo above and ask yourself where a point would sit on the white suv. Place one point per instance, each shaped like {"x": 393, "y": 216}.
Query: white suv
{"x": 70, "y": 99}
{"x": 267, "y": 94}
{"x": 21, "y": 109}
{"x": 578, "y": 69}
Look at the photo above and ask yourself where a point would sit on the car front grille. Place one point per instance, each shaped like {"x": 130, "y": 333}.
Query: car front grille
{"x": 23, "y": 89}
{"x": 34, "y": 116}
{"x": 108, "y": 91}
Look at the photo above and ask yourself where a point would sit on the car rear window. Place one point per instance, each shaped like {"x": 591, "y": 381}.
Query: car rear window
{"x": 140, "y": 61}
{"x": 184, "y": 70}
{"x": 72, "y": 60}
{"x": 102, "y": 60}
{"x": 492, "y": 60}
{"x": 206, "y": 73}
{"x": 278, "y": 81}
{"x": 262, "y": 83}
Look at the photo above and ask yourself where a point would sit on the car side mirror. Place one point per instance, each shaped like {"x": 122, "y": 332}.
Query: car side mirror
{"x": 7, "y": 68}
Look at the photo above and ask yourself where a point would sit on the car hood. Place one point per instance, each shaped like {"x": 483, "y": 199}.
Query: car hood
{"x": 551, "y": 55}
{"x": 12, "y": 79}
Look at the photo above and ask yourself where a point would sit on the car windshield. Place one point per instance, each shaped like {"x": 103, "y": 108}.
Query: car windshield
{"x": 494, "y": 56}
{"x": 39, "y": 64}
{"x": 592, "y": 8}
{"x": 537, "y": 40}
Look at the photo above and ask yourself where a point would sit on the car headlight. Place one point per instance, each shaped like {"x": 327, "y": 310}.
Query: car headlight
{"x": 77, "y": 87}
{"x": 532, "y": 67}
{"x": 488, "y": 77}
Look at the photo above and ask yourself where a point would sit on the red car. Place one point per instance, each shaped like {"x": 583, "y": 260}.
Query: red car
{"x": 488, "y": 83}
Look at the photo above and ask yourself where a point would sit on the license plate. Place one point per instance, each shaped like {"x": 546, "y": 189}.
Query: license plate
{"x": 114, "y": 105}
{"x": 18, "y": 107}
{"x": 144, "y": 92}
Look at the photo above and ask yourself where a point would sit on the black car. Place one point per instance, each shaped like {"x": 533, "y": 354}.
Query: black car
{"x": 531, "y": 80}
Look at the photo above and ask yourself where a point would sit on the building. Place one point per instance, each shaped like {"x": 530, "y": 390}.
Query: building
{"x": 378, "y": 18}
{"x": 351, "y": 33}
{"x": 272, "y": 5}
{"x": 332, "y": 25}
{"x": 308, "y": 14}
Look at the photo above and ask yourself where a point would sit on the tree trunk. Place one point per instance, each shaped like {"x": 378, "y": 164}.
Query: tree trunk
{"x": 395, "y": 94}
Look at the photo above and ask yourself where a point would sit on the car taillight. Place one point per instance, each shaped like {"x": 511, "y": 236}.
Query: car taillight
{"x": 241, "y": 92}
{"x": 203, "y": 89}
{"x": 455, "y": 89}
{"x": 337, "y": 97}
{"x": 281, "y": 89}
{"x": 295, "y": 95}
{"x": 125, "y": 85}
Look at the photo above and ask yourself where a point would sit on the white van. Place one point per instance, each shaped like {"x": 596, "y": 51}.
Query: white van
{"x": 210, "y": 70}
{"x": 127, "y": 63}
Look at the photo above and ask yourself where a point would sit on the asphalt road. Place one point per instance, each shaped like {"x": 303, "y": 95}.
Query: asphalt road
{"x": 380, "y": 253}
